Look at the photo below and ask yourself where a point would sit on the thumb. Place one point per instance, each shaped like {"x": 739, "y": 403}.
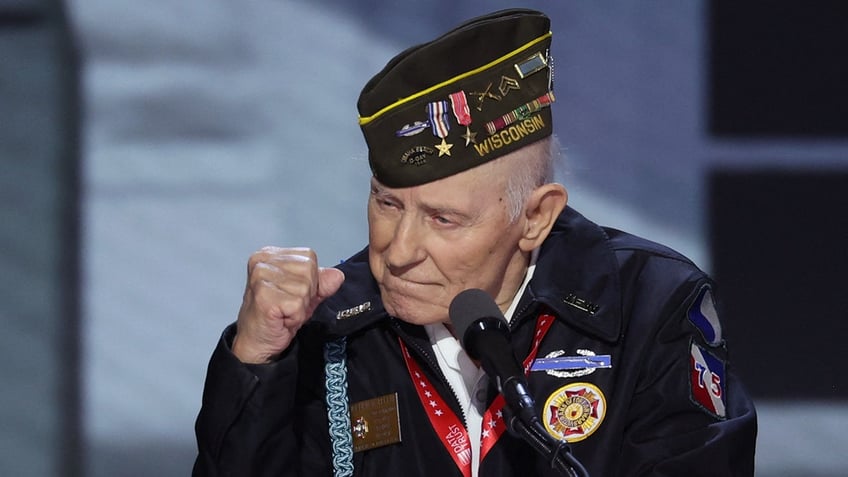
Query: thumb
{"x": 329, "y": 282}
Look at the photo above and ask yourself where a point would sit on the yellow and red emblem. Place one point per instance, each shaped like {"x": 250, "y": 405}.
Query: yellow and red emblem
{"x": 574, "y": 411}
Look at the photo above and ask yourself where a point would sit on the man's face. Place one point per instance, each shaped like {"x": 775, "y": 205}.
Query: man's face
{"x": 430, "y": 242}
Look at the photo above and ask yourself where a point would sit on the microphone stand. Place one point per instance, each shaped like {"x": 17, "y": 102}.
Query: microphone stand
{"x": 525, "y": 424}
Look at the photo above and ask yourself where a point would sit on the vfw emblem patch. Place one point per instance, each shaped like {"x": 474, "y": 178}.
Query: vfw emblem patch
{"x": 574, "y": 411}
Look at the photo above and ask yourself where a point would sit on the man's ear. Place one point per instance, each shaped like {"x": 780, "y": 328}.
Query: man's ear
{"x": 541, "y": 211}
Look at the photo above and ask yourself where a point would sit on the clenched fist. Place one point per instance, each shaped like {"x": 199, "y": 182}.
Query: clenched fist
{"x": 284, "y": 286}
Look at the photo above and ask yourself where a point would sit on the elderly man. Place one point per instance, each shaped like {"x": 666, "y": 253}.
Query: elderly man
{"x": 355, "y": 370}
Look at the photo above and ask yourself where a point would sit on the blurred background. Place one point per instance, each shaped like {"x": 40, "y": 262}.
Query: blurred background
{"x": 149, "y": 147}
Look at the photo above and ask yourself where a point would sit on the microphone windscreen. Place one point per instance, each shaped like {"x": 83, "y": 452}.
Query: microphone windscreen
{"x": 469, "y": 306}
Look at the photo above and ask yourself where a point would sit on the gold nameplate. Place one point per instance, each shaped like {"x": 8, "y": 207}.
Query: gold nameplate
{"x": 375, "y": 422}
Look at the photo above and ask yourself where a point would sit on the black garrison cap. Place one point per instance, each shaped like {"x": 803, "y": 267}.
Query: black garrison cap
{"x": 474, "y": 94}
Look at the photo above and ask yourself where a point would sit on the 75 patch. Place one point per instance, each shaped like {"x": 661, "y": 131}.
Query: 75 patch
{"x": 707, "y": 379}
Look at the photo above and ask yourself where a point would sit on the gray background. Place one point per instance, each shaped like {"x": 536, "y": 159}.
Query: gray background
{"x": 214, "y": 127}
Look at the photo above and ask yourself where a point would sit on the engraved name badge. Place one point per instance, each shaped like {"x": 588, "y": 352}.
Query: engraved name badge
{"x": 375, "y": 422}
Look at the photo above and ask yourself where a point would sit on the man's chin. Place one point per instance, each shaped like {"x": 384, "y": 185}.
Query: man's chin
{"x": 415, "y": 313}
{"x": 420, "y": 320}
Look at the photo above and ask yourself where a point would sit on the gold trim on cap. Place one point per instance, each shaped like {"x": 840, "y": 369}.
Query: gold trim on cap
{"x": 365, "y": 120}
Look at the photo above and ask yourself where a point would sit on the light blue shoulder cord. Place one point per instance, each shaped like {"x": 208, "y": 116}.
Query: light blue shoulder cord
{"x": 338, "y": 412}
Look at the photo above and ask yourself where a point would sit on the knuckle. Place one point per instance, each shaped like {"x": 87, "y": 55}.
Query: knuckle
{"x": 262, "y": 273}
{"x": 304, "y": 252}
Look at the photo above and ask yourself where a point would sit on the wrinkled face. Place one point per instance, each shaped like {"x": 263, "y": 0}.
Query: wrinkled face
{"x": 430, "y": 242}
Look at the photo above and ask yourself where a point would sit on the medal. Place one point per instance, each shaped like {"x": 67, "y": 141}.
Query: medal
{"x": 459, "y": 105}
{"x": 438, "y": 113}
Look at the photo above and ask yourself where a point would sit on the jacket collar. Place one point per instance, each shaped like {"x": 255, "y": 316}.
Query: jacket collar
{"x": 576, "y": 277}
{"x": 357, "y": 304}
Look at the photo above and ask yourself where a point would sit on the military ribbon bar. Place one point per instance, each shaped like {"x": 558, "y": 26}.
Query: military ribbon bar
{"x": 521, "y": 112}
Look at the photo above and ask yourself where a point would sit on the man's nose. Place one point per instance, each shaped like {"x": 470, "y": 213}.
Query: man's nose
{"x": 406, "y": 247}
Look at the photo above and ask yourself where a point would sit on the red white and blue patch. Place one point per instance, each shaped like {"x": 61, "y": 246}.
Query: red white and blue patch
{"x": 707, "y": 381}
{"x": 703, "y": 315}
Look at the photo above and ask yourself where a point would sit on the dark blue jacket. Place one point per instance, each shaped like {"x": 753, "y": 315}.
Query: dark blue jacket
{"x": 611, "y": 293}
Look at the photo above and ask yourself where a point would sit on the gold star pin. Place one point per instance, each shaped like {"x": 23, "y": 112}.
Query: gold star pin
{"x": 444, "y": 148}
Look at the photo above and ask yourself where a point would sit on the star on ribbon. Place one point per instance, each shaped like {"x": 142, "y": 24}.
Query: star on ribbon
{"x": 469, "y": 136}
{"x": 444, "y": 148}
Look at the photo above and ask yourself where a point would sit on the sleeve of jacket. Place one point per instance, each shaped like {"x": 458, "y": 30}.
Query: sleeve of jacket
{"x": 689, "y": 414}
{"x": 253, "y": 419}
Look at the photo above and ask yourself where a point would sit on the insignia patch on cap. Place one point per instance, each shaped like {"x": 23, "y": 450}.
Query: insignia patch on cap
{"x": 703, "y": 315}
{"x": 508, "y": 84}
{"x": 416, "y": 127}
{"x": 484, "y": 95}
{"x": 531, "y": 65}
{"x": 707, "y": 381}
{"x": 417, "y": 155}
{"x": 574, "y": 411}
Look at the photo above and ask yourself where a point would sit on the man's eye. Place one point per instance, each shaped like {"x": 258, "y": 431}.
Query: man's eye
{"x": 386, "y": 203}
{"x": 442, "y": 220}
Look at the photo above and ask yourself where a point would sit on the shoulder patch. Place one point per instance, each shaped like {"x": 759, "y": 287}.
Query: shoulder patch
{"x": 707, "y": 379}
{"x": 702, "y": 314}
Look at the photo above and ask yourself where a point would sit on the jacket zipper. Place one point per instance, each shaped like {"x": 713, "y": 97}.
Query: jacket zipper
{"x": 519, "y": 315}
{"x": 434, "y": 366}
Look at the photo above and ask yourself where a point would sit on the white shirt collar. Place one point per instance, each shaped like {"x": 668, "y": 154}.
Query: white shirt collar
{"x": 465, "y": 378}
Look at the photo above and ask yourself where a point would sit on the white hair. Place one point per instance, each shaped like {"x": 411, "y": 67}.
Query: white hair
{"x": 538, "y": 164}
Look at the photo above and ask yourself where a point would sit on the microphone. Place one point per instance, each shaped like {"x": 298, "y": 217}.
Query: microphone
{"x": 484, "y": 334}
